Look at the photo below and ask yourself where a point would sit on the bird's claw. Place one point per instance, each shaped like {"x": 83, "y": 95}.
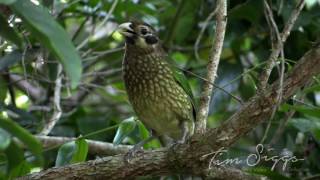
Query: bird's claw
{"x": 132, "y": 153}
{"x": 175, "y": 144}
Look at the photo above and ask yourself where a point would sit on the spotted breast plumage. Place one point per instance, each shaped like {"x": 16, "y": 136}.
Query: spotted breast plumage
{"x": 159, "y": 100}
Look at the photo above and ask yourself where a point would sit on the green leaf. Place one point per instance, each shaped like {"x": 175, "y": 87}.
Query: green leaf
{"x": 81, "y": 152}
{"x": 39, "y": 21}
{"x": 14, "y": 155}
{"x": 21, "y": 169}
{"x": 302, "y": 109}
{"x": 9, "y": 33}
{"x": 143, "y": 131}
{"x": 5, "y": 139}
{"x": 144, "y": 134}
{"x": 24, "y": 136}
{"x": 125, "y": 128}
{"x": 65, "y": 153}
{"x": 7, "y": 2}
{"x": 17, "y": 166}
{"x": 72, "y": 152}
{"x": 10, "y": 59}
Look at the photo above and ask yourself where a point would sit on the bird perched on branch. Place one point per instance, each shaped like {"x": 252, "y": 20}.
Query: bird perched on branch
{"x": 158, "y": 93}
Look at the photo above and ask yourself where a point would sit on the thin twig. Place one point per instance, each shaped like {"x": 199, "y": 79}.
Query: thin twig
{"x": 214, "y": 85}
{"x": 212, "y": 66}
{"x": 104, "y": 53}
{"x": 39, "y": 108}
{"x": 312, "y": 177}
{"x": 57, "y": 111}
{"x": 75, "y": 35}
{"x": 95, "y": 147}
{"x": 275, "y": 52}
{"x": 274, "y": 30}
{"x": 102, "y": 73}
{"x": 103, "y": 22}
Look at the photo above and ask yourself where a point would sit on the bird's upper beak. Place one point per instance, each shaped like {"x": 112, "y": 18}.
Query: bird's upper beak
{"x": 126, "y": 29}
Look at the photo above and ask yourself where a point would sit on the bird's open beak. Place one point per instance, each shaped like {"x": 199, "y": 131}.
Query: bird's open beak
{"x": 126, "y": 29}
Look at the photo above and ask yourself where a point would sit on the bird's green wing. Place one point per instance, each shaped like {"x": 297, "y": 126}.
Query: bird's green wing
{"x": 182, "y": 81}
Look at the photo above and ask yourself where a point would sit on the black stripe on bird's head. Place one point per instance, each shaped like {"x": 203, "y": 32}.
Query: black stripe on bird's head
{"x": 138, "y": 34}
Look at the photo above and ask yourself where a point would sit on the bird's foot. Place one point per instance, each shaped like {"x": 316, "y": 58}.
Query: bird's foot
{"x": 177, "y": 143}
{"x": 132, "y": 153}
{"x": 137, "y": 149}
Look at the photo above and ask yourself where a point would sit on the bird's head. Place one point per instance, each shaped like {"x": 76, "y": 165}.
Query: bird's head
{"x": 139, "y": 34}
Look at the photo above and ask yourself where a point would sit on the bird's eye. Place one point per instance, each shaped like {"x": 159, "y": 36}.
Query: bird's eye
{"x": 144, "y": 31}
{"x": 131, "y": 26}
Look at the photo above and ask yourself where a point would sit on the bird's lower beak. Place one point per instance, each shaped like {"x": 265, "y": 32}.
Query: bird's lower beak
{"x": 126, "y": 29}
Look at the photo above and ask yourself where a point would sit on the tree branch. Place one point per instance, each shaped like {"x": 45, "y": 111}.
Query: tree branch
{"x": 212, "y": 66}
{"x": 188, "y": 158}
{"x": 279, "y": 45}
{"x": 154, "y": 163}
{"x": 95, "y": 147}
{"x": 57, "y": 111}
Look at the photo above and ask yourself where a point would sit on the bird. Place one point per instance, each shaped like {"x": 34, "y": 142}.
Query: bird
{"x": 158, "y": 93}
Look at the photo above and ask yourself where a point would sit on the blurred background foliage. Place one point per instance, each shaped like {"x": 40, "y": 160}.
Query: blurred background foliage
{"x": 36, "y": 36}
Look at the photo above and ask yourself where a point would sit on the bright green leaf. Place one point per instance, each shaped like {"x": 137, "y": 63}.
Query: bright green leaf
{"x": 72, "y": 152}
{"x": 65, "y": 153}
{"x": 125, "y": 128}
{"x": 39, "y": 21}
{"x": 81, "y": 152}
{"x": 144, "y": 134}
{"x": 143, "y": 131}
